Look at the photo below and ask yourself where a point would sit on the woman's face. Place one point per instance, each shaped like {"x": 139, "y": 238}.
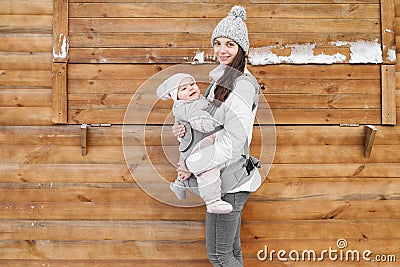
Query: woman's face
{"x": 225, "y": 50}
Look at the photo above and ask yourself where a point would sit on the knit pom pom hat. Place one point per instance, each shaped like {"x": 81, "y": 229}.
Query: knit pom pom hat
{"x": 233, "y": 27}
{"x": 169, "y": 88}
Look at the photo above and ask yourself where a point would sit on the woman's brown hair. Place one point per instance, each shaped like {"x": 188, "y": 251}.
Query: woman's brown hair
{"x": 225, "y": 84}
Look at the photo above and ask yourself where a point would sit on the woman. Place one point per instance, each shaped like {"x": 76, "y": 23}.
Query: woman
{"x": 235, "y": 99}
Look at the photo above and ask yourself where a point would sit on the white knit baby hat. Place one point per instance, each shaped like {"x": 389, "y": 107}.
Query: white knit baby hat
{"x": 169, "y": 88}
{"x": 233, "y": 27}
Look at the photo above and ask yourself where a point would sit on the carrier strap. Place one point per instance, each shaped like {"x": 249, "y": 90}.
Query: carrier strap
{"x": 246, "y": 76}
{"x": 209, "y": 89}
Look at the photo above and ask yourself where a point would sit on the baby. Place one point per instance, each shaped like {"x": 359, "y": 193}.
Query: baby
{"x": 191, "y": 106}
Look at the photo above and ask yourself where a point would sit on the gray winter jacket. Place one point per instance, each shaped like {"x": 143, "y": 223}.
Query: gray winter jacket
{"x": 237, "y": 116}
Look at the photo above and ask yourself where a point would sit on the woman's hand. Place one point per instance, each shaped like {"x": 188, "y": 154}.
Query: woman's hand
{"x": 178, "y": 130}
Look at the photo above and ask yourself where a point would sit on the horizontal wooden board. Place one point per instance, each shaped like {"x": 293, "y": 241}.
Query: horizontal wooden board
{"x": 141, "y": 250}
{"x": 69, "y": 135}
{"x": 139, "y": 155}
{"x": 40, "y": 78}
{"x": 285, "y": 109}
{"x": 25, "y": 7}
{"x": 25, "y": 42}
{"x": 228, "y": 1}
{"x": 79, "y": 173}
{"x": 254, "y": 210}
{"x": 25, "y": 97}
{"x": 25, "y": 61}
{"x": 206, "y": 25}
{"x": 278, "y": 85}
{"x": 101, "y": 230}
{"x": 129, "y": 192}
{"x": 25, "y": 116}
{"x": 273, "y": 101}
{"x": 333, "y": 172}
{"x": 132, "y": 55}
{"x": 26, "y": 24}
{"x": 170, "y": 55}
{"x": 101, "y": 263}
{"x": 328, "y": 191}
{"x": 114, "y": 71}
{"x": 339, "y": 71}
{"x": 281, "y": 116}
{"x": 282, "y": 85}
{"x": 160, "y": 263}
{"x": 49, "y": 174}
{"x": 191, "y": 230}
{"x": 202, "y": 40}
{"x": 332, "y": 101}
{"x": 165, "y": 263}
{"x": 208, "y": 10}
{"x": 140, "y": 71}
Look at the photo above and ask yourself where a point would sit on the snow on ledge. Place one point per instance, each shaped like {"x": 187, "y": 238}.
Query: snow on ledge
{"x": 300, "y": 54}
{"x": 361, "y": 52}
{"x": 198, "y": 58}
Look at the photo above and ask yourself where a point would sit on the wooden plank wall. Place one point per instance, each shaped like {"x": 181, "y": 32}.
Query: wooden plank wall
{"x": 59, "y": 208}
{"x": 25, "y": 62}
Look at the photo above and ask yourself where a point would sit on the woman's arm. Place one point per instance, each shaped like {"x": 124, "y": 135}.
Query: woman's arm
{"x": 178, "y": 130}
{"x": 238, "y": 125}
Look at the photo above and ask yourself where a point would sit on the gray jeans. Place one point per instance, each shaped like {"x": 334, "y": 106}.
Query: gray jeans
{"x": 223, "y": 233}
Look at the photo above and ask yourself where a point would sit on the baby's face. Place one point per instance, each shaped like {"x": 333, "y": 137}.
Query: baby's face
{"x": 188, "y": 90}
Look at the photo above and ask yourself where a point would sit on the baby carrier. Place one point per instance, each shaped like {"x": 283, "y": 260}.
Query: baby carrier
{"x": 232, "y": 175}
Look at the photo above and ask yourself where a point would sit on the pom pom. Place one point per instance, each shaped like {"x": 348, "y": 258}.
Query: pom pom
{"x": 238, "y": 11}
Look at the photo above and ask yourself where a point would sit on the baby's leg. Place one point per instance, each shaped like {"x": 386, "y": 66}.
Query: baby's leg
{"x": 209, "y": 185}
{"x": 179, "y": 189}
{"x": 208, "y": 140}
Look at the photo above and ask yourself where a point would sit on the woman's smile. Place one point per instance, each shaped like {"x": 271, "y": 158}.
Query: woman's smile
{"x": 223, "y": 58}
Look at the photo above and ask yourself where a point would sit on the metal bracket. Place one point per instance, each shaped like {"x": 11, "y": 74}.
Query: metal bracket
{"x": 100, "y": 125}
{"x": 369, "y": 138}
{"x": 349, "y": 125}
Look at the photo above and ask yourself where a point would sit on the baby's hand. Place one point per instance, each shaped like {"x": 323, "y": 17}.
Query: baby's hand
{"x": 184, "y": 175}
{"x": 183, "y": 171}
